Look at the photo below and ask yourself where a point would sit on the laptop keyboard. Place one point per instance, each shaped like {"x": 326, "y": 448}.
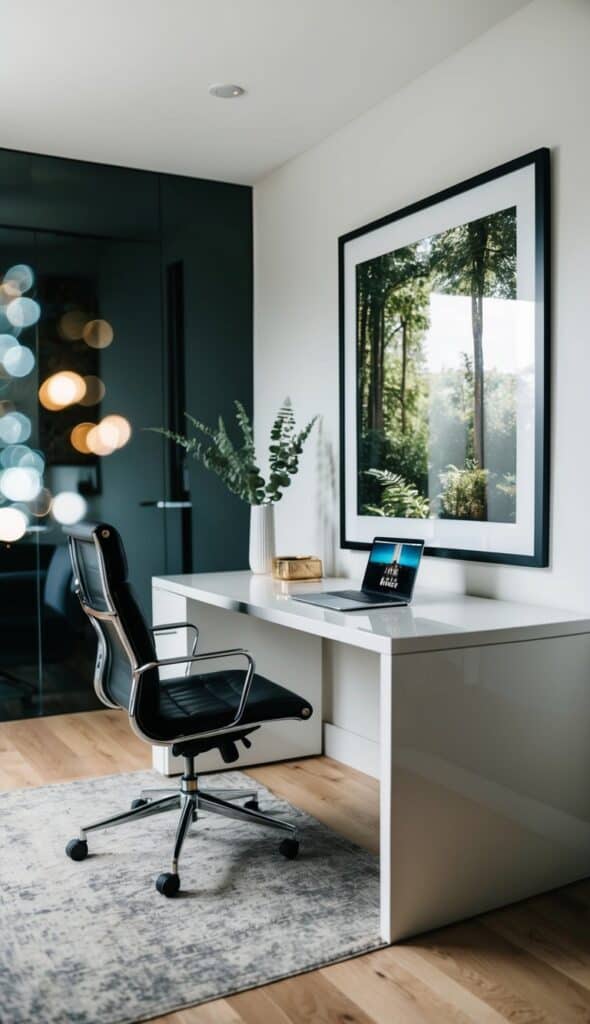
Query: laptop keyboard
{"x": 361, "y": 598}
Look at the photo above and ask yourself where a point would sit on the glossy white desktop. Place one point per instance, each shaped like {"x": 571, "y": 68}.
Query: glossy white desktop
{"x": 483, "y": 752}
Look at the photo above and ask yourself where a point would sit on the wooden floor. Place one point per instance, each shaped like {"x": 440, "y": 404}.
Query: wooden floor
{"x": 527, "y": 964}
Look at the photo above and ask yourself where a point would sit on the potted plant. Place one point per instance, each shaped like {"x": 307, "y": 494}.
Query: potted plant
{"x": 237, "y": 466}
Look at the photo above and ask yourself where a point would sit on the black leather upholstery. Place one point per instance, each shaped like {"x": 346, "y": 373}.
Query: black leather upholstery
{"x": 207, "y": 702}
{"x": 116, "y": 672}
{"x": 169, "y": 709}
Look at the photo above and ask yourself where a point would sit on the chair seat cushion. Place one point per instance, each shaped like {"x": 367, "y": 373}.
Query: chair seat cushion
{"x": 203, "y": 703}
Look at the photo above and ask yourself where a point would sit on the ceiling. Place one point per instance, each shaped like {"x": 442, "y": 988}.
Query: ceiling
{"x": 125, "y": 81}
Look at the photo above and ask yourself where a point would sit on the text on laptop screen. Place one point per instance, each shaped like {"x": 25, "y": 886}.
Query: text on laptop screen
{"x": 392, "y": 567}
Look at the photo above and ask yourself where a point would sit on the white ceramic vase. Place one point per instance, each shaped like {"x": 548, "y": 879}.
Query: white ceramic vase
{"x": 262, "y": 537}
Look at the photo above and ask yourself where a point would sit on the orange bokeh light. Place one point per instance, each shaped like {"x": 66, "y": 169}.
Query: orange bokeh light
{"x": 9, "y": 290}
{"x": 71, "y": 325}
{"x": 111, "y": 433}
{"x": 62, "y": 389}
{"x": 45, "y": 399}
{"x": 79, "y": 437}
{"x": 95, "y": 391}
{"x": 97, "y": 443}
{"x": 98, "y": 333}
{"x": 116, "y": 427}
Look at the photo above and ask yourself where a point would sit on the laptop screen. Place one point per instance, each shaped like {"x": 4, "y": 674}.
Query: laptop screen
{"x": 393, "y": 566}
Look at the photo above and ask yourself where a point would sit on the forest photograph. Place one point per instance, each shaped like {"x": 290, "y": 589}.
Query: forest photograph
{"x": 437, "y": 377}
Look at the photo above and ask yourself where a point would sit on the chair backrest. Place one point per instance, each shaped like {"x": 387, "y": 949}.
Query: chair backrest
{"x": 125, "y": 642}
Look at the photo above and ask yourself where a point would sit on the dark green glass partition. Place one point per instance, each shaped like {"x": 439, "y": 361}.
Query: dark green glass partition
{"x": 125, "y": 297}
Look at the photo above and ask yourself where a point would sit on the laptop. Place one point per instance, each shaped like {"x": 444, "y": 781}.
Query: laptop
{"x": 388, "y": 582}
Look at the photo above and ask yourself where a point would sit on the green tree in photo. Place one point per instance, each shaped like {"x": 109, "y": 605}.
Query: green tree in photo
{"x": 435, "y": 442}
{"x": 393, "y": 298}
{"x": 477, "y": 259}
{"x": 407, "y": 315}
{"x": 380, "y": 286}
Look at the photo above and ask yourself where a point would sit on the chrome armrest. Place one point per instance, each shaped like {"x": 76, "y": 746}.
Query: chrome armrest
{"x": 190, "y": 659}
{"x": 168, "y": 627}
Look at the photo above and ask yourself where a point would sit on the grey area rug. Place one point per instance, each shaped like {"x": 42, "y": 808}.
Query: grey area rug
{"x": 94, "y": 943}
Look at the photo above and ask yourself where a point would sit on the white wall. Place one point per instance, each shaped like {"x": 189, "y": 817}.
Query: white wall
{"x": 522, "y": 85}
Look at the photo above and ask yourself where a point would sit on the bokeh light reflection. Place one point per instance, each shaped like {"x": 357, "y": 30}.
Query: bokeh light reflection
{"x": 19, "y": 279}
{"x": 71, "y": 325}
{"x": 62, "y": 389}
{"x": 13, "y": 524}
{"x": 12, "y": 455}
{"x": 115, "y": 428}
{"x": 31, "y": 458}
{"x": 18, "y": 361}
{"x": 7, "y": 341}
{"x": 23, "y": 312}
{"x": 97, "y": 443}
{"x": 95, "y": 391}
{"x": 40, "y": 505}
{"x": 98, "y": 334}
{"x": 20, "y": 483}
{"x": 68, "y": 507}
{"x": 15, "y": 428}
{"x": 110, "y": 434}
{"x": 79, "y": 435}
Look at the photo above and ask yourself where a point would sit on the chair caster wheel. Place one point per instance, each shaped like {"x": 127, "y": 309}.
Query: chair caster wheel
{"x": 140, "y": 802}
{"x": 289, "y": 848}
{"x": 252, "y": 805}
{"x": 77, "y": 849}
{"x": 168, "y": 884}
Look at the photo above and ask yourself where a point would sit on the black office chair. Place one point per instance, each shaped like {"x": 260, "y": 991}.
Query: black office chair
{"x": 189, "y": 713}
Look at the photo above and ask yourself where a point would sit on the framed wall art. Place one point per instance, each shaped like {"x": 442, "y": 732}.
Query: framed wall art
{"x": 444, "y": 370}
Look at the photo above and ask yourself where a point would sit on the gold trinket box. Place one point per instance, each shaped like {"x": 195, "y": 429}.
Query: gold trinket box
{"x": 297, "y": 567}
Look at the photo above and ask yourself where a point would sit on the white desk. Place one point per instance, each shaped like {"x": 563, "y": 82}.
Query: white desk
{"x": 484, "y": 730}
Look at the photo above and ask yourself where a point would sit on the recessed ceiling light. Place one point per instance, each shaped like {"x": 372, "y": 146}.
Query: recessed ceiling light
{"x": 227, "y": 91}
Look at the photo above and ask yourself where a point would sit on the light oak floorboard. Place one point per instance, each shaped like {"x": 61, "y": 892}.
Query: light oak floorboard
{"x": 525, "y": 964}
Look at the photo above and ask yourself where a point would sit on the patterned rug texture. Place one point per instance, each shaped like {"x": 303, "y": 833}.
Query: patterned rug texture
{"x": 94, "y": 943}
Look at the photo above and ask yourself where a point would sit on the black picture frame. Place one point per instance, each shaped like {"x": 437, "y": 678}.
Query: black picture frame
{"x": 539, "y": 159}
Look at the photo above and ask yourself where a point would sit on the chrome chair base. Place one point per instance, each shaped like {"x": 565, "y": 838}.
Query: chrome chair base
{"x": 190, "y": 800}
{"x": 223, "y": 794}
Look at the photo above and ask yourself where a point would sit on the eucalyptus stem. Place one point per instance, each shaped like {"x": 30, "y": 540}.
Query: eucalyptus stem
{"x": 236, "y": 464}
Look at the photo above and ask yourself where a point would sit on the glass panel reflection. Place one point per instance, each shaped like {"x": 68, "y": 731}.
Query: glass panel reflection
{"x": 23, "y": 569}
{"x": 80, "y": 375}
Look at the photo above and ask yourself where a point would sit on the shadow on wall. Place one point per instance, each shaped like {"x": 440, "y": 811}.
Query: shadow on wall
{"x": 326, "y": 500}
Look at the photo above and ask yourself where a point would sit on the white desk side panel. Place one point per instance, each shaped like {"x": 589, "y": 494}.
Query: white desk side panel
{"x": 352, "y": 706}
{"x": 283, "y": 655}
{"x": 490, "y": 782}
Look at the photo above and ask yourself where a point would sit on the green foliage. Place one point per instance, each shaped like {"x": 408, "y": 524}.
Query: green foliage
{"x": 500, "y": 393}
{"x": 403, "y": 455}
{"x": 505, "y": 499}
{"x": 236, "y": 464}
{"x": 464, "y": 494}
{"x": 484, "y": 247}
{"x": 398, "y": 498}
{"x": 508, "y": 485}
{"x": 285, "y": 449}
